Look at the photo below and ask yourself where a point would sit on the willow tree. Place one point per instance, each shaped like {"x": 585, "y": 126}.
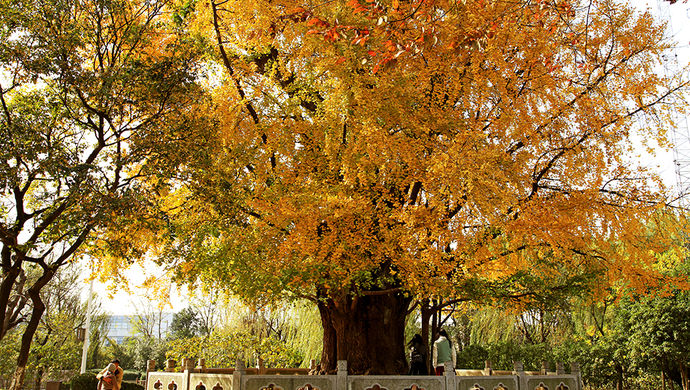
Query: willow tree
{"x": 374, "y": 152}
{"x": 88, "y": 91}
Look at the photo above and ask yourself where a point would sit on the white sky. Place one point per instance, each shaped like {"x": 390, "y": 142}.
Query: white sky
{"x": 123, "y": 302}
{"x": 126, "y": 303}
{"x": 679, "y": 12}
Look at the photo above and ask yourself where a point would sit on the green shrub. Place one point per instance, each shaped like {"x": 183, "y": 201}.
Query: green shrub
{"x": 472, "y": 357}
{"x": 86, "y": 381}
{"x": 131, "y": 386}
{"x": 131, "y": 375}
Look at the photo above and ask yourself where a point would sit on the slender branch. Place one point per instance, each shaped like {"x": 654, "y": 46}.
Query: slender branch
{"x": 6, "y": 110}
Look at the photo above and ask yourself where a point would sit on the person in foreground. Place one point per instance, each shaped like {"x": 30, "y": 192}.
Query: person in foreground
{"x": 110, "y": 378}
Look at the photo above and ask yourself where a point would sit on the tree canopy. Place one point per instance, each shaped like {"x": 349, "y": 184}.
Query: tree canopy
{"x": 368, "y": 153}
{"x": 359, "y": 154}
{"x": 96, "y": 97}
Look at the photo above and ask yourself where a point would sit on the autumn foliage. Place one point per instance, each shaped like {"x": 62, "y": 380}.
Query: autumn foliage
{"x": 373, "y": 152}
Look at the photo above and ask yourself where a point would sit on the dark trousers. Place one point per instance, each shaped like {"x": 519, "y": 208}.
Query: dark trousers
{"x": 418, "y": 368}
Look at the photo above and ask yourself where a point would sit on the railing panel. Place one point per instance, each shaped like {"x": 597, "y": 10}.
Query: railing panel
{"x": 288, "y": 382}
{"x": 241, "y": 378}
{"x": 498, "y": 382}
{"x": 166, "y": 381}
{"x": 208, "y": 381}
{"x": 385, "y": 382}
{"x": 552, "y": 382}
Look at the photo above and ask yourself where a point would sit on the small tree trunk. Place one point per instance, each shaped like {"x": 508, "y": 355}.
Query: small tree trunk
{"x": 434, "y": 321}
{"x": 367, "y": 331}
{"x": 663, "y": 380}
{"x": 36, "y": 313}
{"x": 426, "y": 312}
{"x": 684, "y": 376}
{"x": 39, "y": 378}
{"x": 23, "y": 357}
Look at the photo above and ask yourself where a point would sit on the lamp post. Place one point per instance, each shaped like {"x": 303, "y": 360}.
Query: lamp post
{"x": 85, "y": 349}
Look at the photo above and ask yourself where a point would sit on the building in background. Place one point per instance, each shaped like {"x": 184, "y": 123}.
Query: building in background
{"x": 152, "y": 325}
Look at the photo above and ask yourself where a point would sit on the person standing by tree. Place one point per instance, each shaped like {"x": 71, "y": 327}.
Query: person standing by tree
{"x": 418, "y": 362}
{"x": 443, "y": 352}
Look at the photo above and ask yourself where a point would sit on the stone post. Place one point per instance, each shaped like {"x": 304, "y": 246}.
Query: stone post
{"x": 187, "y": 364}
{"x": 341, "y": 376}
{"x": 187, "y": 369}
{"x": 240, "y": 370}
{"x": 150, "y": 367}
{"x": 260, "y": 366}
{"x": 575, "y": 371}
{"x": 449, "y": 374}
{"x": 487, "y": 368}
{"x": 519, "y": 370}
{"x": 170, "y": 365}
{"x": 544, "y": 368}
{"x": 559, "y": 369}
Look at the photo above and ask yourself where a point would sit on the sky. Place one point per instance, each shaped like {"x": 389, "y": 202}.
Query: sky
{"x": 678, "y": 15}
{"x": 121, "y": 302}
{"x": 663, "y": 162}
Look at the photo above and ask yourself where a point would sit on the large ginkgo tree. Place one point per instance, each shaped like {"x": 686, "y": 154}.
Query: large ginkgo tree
{"x": 371, "y": 153}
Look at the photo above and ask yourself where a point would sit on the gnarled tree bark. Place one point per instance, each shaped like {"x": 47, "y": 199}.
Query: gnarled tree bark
{"x": 368, "y": 331}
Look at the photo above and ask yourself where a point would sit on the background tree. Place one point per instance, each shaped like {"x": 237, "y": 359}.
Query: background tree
{"x": 98, "y": 338}
{"x": 88, "y": 97}
{"x": 185, "y": 324}
{"x": 658, "y": 332}
{"x": 474, "y": 151}
{"x": 282, "y": 335}
{"x": 148, "y": 320}
{"x": 55, "y": 349}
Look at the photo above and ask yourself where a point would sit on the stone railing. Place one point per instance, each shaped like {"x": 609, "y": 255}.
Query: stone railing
{"x": 242, "y": 378}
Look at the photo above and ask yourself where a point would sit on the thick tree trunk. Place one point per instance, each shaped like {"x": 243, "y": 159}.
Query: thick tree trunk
{"x": 329, "y": 353}
{"x": 367, "y": 331}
